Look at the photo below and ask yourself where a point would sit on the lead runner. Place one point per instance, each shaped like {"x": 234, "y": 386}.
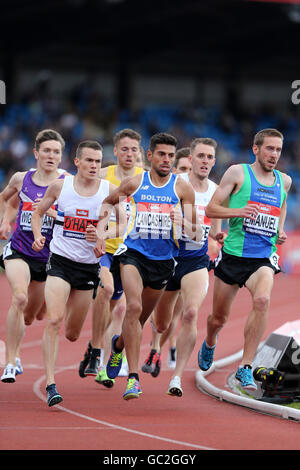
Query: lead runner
{"x": 146, "y": 259}
{"x": 257, "y": 211}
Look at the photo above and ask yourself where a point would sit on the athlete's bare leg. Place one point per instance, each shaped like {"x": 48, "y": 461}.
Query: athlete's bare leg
{"x": 260, "y": 285}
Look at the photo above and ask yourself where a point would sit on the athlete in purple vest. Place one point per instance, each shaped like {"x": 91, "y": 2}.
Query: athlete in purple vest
{"x": 25, "y": 268}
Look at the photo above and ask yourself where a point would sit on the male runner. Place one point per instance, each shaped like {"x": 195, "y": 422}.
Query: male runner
{"x": 146, "y": 259}
{"x": 191, "y": 273}
{"x": 73, "y": 269}
{"x": 25, "y": 269}
{"x": 257, "y": 210}
{"x": 110, "y": 304}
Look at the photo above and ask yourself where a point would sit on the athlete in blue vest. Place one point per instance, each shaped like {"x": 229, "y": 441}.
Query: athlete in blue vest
{"x": 146, "y": 258}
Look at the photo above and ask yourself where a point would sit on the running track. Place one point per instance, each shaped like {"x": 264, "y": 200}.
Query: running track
{"x": 95, "y": 418}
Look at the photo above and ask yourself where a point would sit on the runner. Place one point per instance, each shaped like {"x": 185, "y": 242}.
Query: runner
{"x": 257, "y": 210}
{"x": 24, "y": 268}
{"x": 109, "y": 305}
{"x": 73, "y": 269}
{"x": 191, "y": 273}
{"x": 146, "y": 259}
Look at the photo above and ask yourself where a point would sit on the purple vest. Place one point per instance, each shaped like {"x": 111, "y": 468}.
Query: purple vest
{"x": 22, "y": 237}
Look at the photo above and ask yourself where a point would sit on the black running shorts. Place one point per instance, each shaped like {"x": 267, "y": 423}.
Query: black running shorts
{"x": 80, "y": 276}
{"x": 154, "y": 273}
{"x": 237, "y": 270}
{"x": 37, "y": 268}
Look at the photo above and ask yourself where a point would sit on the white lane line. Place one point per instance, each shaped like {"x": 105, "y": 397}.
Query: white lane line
{"x": 39, "y": 394}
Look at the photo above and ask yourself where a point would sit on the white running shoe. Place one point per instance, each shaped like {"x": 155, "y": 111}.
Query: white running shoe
{"x": 171, "y": 360}
{"x": 124, "y": 368}
{"x": 19, "y": 368}
{"x": 175, "y": 389}
{"x": 9, "y": 374}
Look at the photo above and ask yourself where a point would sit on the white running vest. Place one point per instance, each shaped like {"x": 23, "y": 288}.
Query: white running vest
{"x": 74, "y": 214}
{"x": 201, "y": 201}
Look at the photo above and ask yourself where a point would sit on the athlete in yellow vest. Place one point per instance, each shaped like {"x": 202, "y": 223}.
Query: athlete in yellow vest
{"x": 109, "y": 305}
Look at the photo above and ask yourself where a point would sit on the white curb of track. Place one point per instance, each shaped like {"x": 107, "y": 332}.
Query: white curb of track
{"x": 223, "y": 395}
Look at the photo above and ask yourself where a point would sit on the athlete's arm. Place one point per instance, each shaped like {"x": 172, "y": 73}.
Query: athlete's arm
{"x": 116, "y": 197}
{"x": 281, "y": 235}
{"x": 230, "y": 183}
{"x": 9, "y": 216}
{"x": 51, "y": 195}
{"x": 14, "y": 185}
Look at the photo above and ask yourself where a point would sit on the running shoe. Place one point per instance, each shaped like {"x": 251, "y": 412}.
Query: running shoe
{"x": 102, "y": 379}
{"x": 244, "y": 375}
{"x": 53, "y": 397}
{"x": 157, "y": 365}
{"x": 172, "y": 358}
{"x": 94, "y": 363}
{"x": 19, "y": 368}
{"x": 9, "y": 374}
{"x": 83, "y": 364}
{"x": 114, "y": 363}
{"x": 133, "y": 389}
{"x": 175, "y": 389}
{"x": 124, "y": 369}
{"x": 149, "y": 364}
{"x": 206, "y": 356}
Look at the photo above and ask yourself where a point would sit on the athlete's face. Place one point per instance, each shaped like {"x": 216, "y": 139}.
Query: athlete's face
{"x": 48, "y": 155}
{"x": 268, "y": 154}
{"x": 162, "y": 158}
{"x": 203, "y": 159}
{"x": 89, "y": 163}
{"x": 184, "y": 166}
{"x": 127, "y": 151}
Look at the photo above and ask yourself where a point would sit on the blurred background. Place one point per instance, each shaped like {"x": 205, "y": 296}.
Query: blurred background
{"x": 88, "y": 68}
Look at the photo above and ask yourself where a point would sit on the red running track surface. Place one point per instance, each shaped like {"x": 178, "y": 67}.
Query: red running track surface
{"x": 92, "y": 417}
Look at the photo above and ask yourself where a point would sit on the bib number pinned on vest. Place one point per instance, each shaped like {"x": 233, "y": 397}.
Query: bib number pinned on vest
{"x": 120, "y": 250}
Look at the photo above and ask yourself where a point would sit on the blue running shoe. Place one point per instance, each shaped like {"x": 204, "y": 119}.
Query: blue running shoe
{"x": 133, "y": 389}
{"x": 244, "y": 375}
{"x": 206, "y": 356}
{"x": 114, "y": 362}
{"x": 53, "y": 397}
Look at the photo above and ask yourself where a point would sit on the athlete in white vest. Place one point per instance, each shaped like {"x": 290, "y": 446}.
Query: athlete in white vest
{"x": 73, "y": 269}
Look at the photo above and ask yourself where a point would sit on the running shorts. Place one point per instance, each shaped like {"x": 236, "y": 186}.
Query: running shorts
{"x": 80, "y": 276}
{"x": 185, "y": 266}
{"x": 37, "y": 268}
{"x": 237, "y": 270}
{"x": 154, "y": 273}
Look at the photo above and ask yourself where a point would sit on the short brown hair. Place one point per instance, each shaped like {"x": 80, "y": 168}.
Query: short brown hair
{"x": 184, "y": 152}
{"x": 203, "y": 140}
{"x": 48, "y": 134}
{"x": 91, "y": 144}
{"x": 126, "y": 133}
{"x": 259, "y": 137}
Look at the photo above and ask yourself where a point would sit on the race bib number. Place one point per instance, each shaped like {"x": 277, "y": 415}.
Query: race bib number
{"x": 154, "y": 219}
{"x": 7, "y": 251}
{"x": 75, "y": 227}
{"x": 274, "y": 260}
{"x": 25, "y": 219}
{"x": 120, "y": 250}
{"x": 266, "y": 222}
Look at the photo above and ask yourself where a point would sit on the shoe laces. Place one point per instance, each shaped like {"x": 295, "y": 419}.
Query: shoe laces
{"x": 115, "y": 358}
{"x": 132, "y": 382}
